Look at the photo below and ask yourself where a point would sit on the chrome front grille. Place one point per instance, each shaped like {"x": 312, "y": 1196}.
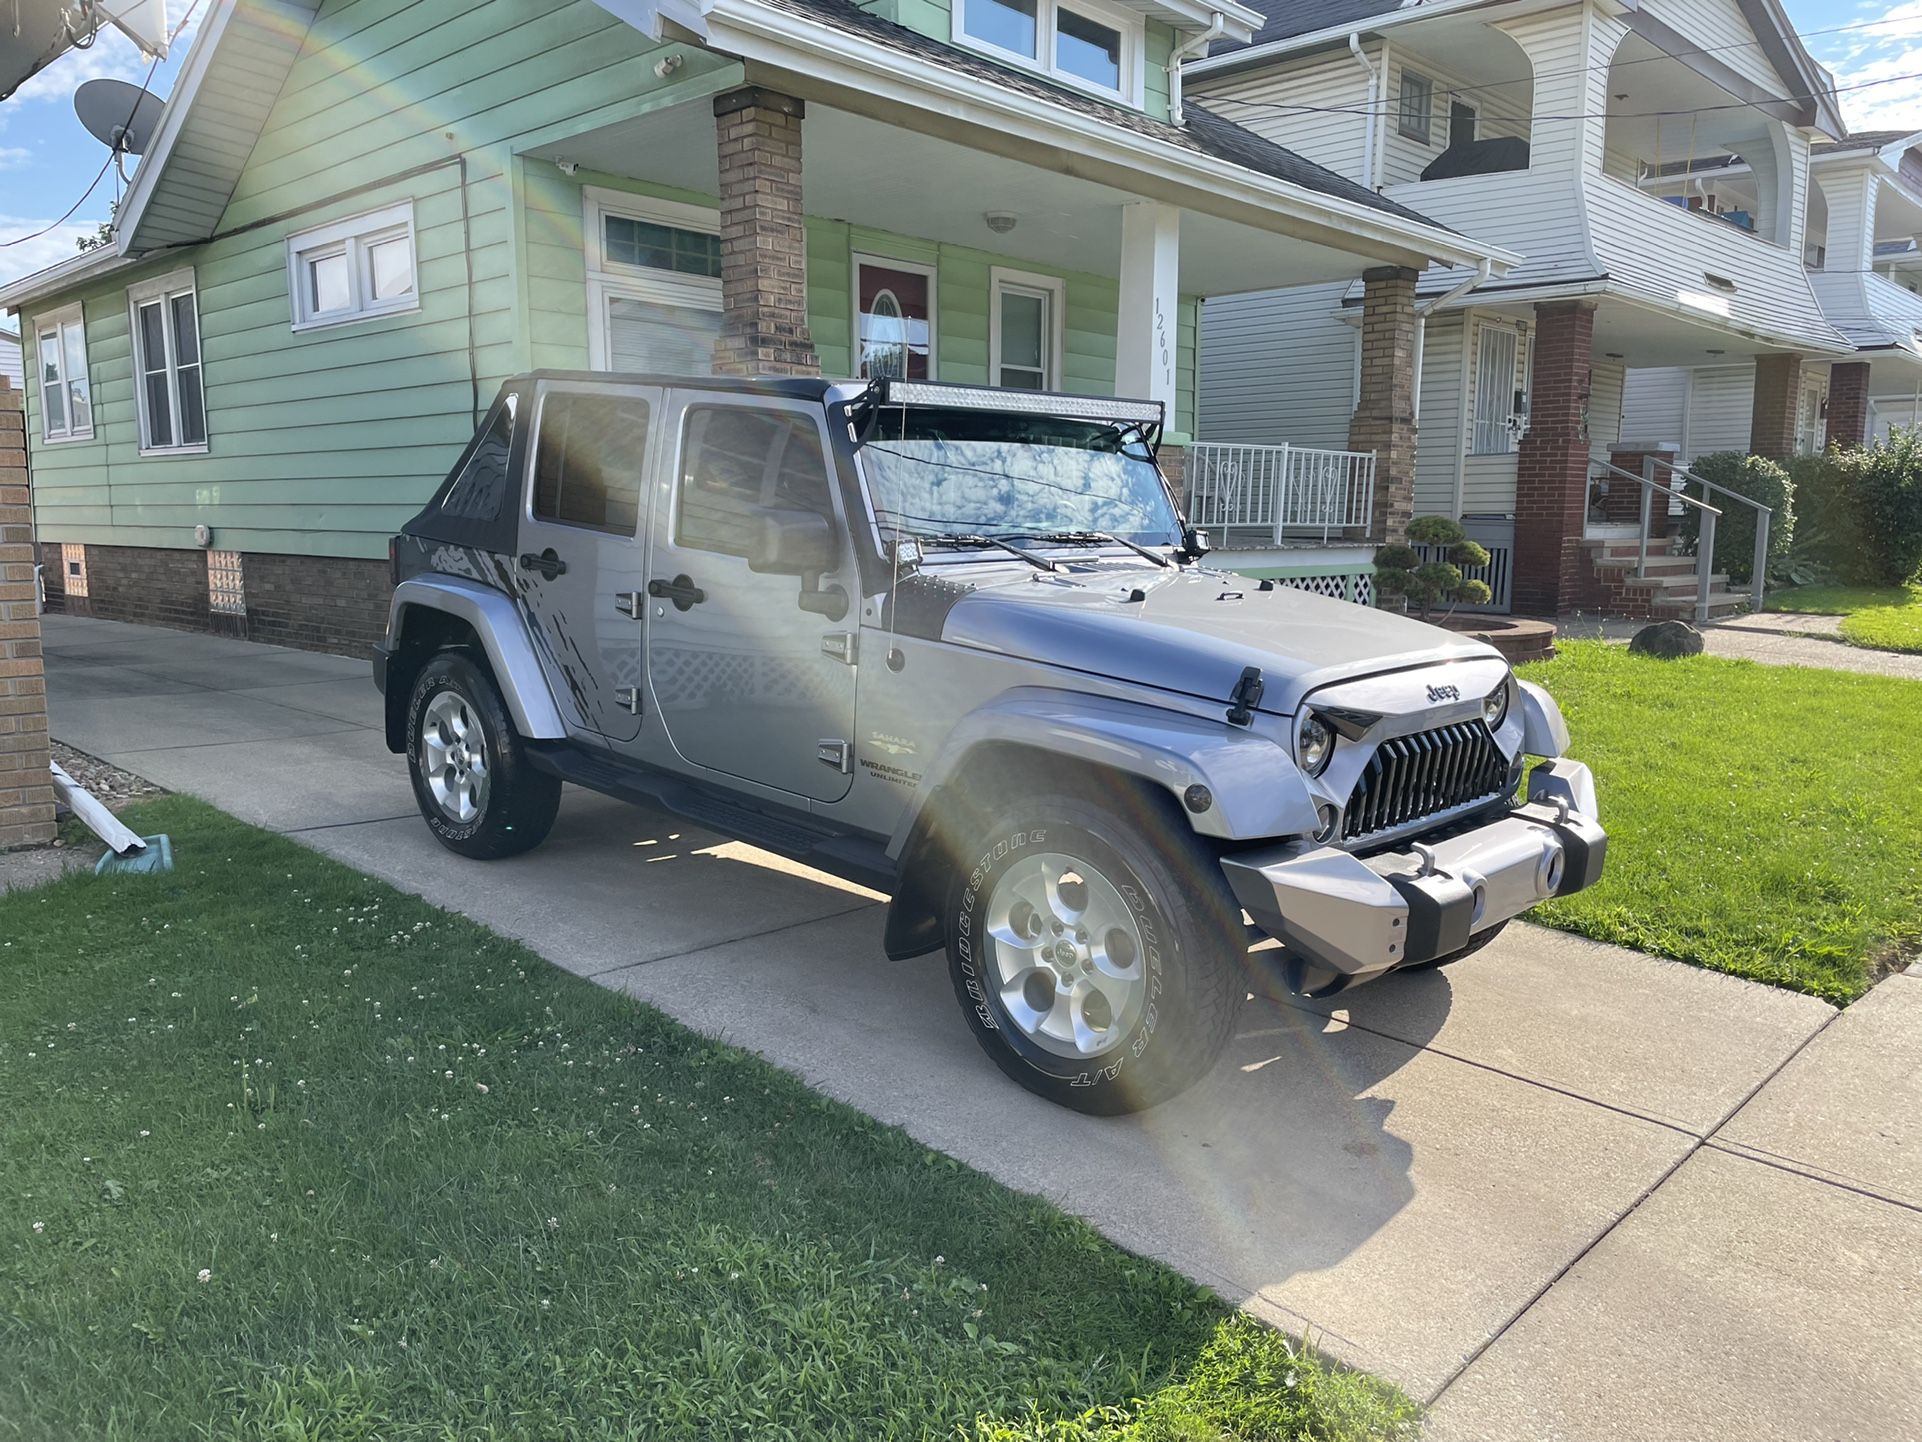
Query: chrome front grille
{"x": 1410, "y": 777}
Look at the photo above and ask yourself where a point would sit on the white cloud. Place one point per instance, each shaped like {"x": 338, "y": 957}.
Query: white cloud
{"x": 56, "y": 245}
{"x": 111, "y": 55}
{"x": 12, "y": 157}
{"x": 1868, "y": 62}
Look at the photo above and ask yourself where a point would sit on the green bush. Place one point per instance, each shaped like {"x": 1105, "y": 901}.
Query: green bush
{"x": 1886, "y": 481}
{"x": 1827, "y": 540}
{"x": 1758, "y": 478}
{"x": 1400, "y": 572}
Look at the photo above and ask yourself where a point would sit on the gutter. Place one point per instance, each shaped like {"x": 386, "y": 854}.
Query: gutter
{"x": 1374, "y": 99}
{"x": 1193, "y": 45}
{"x": 1483, "y": 271}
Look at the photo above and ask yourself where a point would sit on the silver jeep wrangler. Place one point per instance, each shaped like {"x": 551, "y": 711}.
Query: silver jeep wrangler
{"x": 955, "y": 644}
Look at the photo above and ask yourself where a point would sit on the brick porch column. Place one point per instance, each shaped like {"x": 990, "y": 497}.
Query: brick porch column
{"x": 764, "y": 290}
{"x": 1551, "y": 467}
{"x": 26, "y": 786}
{"x": 1384, "y": 419}
{"x": 1848, "y": 404}
{"x": 1778, "y": 395}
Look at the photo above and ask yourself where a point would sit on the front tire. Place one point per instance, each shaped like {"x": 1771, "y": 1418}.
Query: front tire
{"x": 1097, "y": 955}
{"x": 473, "y": 782}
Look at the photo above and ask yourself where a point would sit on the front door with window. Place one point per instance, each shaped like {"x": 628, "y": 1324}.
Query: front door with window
{"x": 580, "y": 554}
{"x": 894, "y": 315}
{"x": 746, "y": 681}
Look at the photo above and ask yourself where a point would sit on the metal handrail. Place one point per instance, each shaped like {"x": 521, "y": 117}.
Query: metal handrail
{"x": 1705, "y": 556}
{"x": 1764, "y": 518}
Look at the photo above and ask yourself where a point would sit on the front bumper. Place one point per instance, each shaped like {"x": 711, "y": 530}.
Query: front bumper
{"x": 1343, "y": 919}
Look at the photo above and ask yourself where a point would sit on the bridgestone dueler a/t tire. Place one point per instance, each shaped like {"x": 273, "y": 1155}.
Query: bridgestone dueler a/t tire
{"x": 1194, "y": 946}
{"x": 521, "y": 802}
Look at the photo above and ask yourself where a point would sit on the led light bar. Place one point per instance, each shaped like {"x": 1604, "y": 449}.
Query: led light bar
{"x": 1031, "y": 403}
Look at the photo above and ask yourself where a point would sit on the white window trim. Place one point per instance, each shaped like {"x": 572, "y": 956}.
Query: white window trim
{"x": 608, "y": 281}
{"x": 55, "y": 323}
{"x": 1426, "y": 135}
{"x": 1131, "y": 25}
{"x": 999, "y": 280}
{"x": 162, "y": 288}
{"x": 351, "y": 237}
{"x": 860, "y": 258}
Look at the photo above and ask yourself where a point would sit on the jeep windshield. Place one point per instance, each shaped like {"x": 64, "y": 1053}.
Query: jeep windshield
{"x": 934, "y": 473}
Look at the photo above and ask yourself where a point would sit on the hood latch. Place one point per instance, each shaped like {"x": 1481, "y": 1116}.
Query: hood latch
{"x": 1245, "y": 697}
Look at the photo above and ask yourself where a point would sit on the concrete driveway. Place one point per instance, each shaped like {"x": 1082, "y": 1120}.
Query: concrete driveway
{"x": 1561, "y": 1191}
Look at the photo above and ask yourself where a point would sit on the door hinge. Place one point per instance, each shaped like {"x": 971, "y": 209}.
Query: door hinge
{"x": 628, "y": 698}
{"x": 840, "y": 645}
{"x": 628, "y": 603}
{"x": 837, "y": 754}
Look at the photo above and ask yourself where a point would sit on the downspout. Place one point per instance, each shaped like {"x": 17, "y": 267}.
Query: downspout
{"x": 1193, "y": 45}
{"x": 1374, "y": 99}
{"x": 1483, "y": 270}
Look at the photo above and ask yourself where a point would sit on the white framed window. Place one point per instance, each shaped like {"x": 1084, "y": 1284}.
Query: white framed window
{"x": 1088, "y": 44}
{"x": 1498, "y": 391}
{"x": 60, "y": 360}
{"x": 1415, "y": 112}
{"x": 653, "y": 283}
{"x": 166, "y": 365}
{"x": 1024, "y": 330}
{"x": 353, "y": 269}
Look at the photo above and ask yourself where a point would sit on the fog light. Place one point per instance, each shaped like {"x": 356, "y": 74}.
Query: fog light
{"x": 1330, "y": 819}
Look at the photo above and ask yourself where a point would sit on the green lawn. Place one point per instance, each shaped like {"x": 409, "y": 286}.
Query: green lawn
{"x": 1884, "y": 618}
{"x": 289, "y": 1156}
{"x": 1762, "y": 820}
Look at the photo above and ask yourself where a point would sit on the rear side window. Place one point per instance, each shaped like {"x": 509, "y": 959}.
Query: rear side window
{"x": 587, "y": 461}
{"x": 477, "y": 492}
{"x": 740, "y": 462}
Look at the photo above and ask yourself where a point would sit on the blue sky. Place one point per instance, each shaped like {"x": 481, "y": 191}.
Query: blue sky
{"x": 46, "y": 159}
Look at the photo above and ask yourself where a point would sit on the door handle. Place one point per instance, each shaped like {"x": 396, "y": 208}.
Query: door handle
{"x": 547, "y": 563}
{"x": 681, "y": 591}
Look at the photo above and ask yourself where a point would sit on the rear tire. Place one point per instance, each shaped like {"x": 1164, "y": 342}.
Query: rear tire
{"x": 476, "y": 788}
{"x": 1094, "y": 947}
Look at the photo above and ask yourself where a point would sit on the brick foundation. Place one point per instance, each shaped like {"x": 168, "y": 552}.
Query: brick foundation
{"x": 26, "y": 783}
{"x": 764, "y": 298}
{"x": 1551, "y": 467}
{"x": 311, "y": 603}
{"x": 1384, "y": 419}
{"x": 1848, "y": 423}
{"x": 1778, "y": 396}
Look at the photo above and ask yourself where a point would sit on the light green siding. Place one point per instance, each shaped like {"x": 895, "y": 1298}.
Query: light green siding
{"x": 325, "y": 441}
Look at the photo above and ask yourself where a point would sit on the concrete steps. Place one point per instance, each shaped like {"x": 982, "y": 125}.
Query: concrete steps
{"x": 1664, "y": 585}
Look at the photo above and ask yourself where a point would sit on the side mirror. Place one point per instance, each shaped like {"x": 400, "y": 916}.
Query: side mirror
{"x": 793, "y": 543}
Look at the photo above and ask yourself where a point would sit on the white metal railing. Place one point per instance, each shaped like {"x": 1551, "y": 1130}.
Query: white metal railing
{"x": 1291, "y": 492}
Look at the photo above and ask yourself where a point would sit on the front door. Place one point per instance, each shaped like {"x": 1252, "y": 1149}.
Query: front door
{"x": 581, "y": 558}
{"x": 747, "y": 681}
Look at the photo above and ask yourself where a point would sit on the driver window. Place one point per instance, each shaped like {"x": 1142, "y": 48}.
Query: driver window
{"x": 738, "y": 462}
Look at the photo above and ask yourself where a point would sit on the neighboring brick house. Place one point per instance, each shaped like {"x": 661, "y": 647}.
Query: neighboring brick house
{"x": 1567, "y": 132}
{"x": 359, "y": 215}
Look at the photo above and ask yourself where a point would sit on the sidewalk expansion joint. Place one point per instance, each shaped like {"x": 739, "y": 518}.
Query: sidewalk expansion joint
{"x": 607, "y": 971}
{"x": 1696, "y": 1144}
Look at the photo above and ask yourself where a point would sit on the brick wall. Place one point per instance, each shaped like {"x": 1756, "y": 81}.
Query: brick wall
{"x": 1384, "y": 419}
{"x": 1551, "y": 468}
{"x": 764, "y": 298}
{"x": 1624, "y": 499}
{"x": 1848, "y": 404}
{"x": 26, "y": 783}
{"x": 1778, "y": 395}
{"x": 312, "y": 603}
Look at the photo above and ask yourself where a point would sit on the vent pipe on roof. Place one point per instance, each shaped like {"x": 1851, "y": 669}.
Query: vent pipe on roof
{"x": 1196, "y": 45}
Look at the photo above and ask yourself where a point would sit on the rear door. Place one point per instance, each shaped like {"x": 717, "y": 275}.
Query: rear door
{"x": 581, "y": 556}
{"x": 747, "y": 682}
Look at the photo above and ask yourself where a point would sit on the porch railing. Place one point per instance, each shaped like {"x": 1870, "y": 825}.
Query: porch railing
{"x": 1296, "y": 493}
{"x": 1707, "y": 515}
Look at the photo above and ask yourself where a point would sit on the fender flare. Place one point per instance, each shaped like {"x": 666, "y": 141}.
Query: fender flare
{"x": 1255, "y": 791}
{"x": 497, "y": 621}
{"x": 1544, "y": 732}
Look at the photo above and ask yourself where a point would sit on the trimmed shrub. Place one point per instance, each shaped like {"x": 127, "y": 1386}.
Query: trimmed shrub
{"x": 1758, "y": 478}
{"x": 1886, "y": 479}
{"x": 1827, "y": 545}
{"x": 1400, "y": 572}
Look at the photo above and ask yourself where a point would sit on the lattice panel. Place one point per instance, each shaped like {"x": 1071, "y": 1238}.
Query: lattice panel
{"x": 226, "y": 585}
{"x": 1335, "y": 585}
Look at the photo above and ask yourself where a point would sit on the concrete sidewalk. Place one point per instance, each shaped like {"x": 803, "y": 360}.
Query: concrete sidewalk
{"x": 1774, "y": 638}
{"x": 1561, "y": 1190}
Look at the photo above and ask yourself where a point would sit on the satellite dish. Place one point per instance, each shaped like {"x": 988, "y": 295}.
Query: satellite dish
{"x": 120, "y": 116}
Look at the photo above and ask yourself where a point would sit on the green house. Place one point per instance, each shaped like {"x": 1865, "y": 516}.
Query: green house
{"x": 358, "y": 216}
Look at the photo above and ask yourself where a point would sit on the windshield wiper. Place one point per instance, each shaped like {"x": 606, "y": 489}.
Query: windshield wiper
{"x": 1040, "y": 563}
{"x": 1099, "y": 538}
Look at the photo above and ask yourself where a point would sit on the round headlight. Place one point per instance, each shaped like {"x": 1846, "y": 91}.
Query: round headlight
{"x": 1495, "y": 706}
{"x": 1317, "y": 744}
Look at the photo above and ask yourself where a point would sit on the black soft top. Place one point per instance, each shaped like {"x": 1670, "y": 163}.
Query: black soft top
{"x": 799, "y": 388}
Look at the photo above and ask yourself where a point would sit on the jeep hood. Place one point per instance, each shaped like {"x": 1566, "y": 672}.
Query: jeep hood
{"x": 1192, "y": 631}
